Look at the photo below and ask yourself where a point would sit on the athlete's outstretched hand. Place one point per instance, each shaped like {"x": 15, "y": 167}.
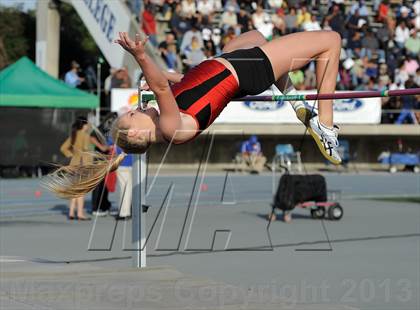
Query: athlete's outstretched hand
{"x": 136, "y": 47}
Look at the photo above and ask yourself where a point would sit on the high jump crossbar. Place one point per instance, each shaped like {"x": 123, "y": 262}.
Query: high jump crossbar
{"x": 340, "y": 95}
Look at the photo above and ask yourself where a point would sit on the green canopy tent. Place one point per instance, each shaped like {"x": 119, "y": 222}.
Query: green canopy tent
{"x": 36, "y": 113}
{"x": 23, "y": 84}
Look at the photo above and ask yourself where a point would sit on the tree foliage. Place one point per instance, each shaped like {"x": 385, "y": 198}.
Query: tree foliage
{"x": 76, "y": 43}
{"x": 17, "y": 35}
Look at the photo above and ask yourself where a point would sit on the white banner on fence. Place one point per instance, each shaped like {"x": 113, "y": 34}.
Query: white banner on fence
{"x": 104, "y": 19}
{"x": 347, "y": 111}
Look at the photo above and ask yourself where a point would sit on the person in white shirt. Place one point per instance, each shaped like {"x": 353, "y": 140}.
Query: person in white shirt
{"x": 205, "y": 7}
{"x": 259, "y": 17}
{"x": 312, "y": 25}
{"x": 401, "y": 34}
{"x": 229, "y": 18}
{"x": 188, "y": 8}
{"x": 275, "y": 4}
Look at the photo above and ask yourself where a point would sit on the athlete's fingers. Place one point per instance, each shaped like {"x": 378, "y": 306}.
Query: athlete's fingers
{"x": 121, "y": 40}
{"x": 137, "y": 39}
{"x": 126, "y": 39}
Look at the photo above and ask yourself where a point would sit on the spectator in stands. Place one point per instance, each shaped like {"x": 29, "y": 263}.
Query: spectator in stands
{"x": 229, "y": 18}
{"x": 384, "y": 79}
{"x": 336, "y": 20}
{"x": 279, "y": 23}
{"x": 411, "y": 65}
{"x": 231, "y": 3}
{"x": 325, "y": 24}
{"x": 371, "y": 68}
{"x": 384, "y": 35}
{"x": 170, "y": 38}
{"x": 209, "y": 49}
{"x": 371, "y": 85}
{"x": 206, "y": 7}
{"x": 275, "y": 4}
{"x": 345, "y": 78}
{"x": 72, "y": 77}
{"x": 417, "y": 78}
{"x": 408, "y": 104}
{"x": 228, "y": 36}
{"x": 416, "y": 19}
{"x": 121, "y": 79}
{"x": 383, "y": 11}
{"x": 354, "y": 24}
{"x": 370, "y": 45}
{"x": 401, "y": 75}
{"x": 125, "y": 184}
{"x": 303, "y": 16}
{"x": 169, "y": 55}
{"x": 195, "y": 54}
{"x": 100, "y": 202}
{"x": 167, "y": 8}
{"x": 206, "y": 33}
{"x": 148, "y": 23}
{"x": 243, "y": 19}
{"x": 403, "y": 14}
{"x": 291, "y": 21}
{"x": 188, "y": 8}
{"x": 412, "y": 45}
{"x": 252, "y": 155}
{"x": 260, "y": 18}
{"x": 361, "y": 7}
{"x": 293, "y": 3}
{"x": 312, "y": 25}
{"x": 355, "y": 45}
{"x": 187, "y": 39}
{"x": 401, "y": 34}
{"x": 76, "y": 147}
{"x": 179, "y": 23}
{"x": 357, "y": 73}
{"x": 216, "y": 37}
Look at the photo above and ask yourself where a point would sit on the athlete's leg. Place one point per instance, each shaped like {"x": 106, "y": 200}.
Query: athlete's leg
{"x": 294, "y": 51}
{"x": 254, "y": 38}
{"x": 251, "y": 39}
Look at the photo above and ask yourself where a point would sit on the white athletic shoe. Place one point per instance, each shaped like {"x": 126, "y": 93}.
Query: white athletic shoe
{"x": 326, "y": 139}
{"x": 304, "y": 112}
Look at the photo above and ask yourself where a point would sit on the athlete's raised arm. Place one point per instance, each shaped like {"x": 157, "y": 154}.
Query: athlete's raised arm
{"x": 170, "y": 119}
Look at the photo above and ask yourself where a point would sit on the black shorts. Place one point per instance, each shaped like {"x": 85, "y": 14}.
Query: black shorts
{"x": 254, "y": 70}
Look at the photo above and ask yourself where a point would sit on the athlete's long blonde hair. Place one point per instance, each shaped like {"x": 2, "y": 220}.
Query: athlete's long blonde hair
{"x": 77, "y": 180}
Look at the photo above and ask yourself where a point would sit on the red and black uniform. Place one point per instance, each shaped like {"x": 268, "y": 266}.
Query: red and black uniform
{"x": 207, "y": 88}
{"x": 205, "y": 91}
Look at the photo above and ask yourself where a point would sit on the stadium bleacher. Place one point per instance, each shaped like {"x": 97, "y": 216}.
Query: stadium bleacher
{"x": 385, "y": 57}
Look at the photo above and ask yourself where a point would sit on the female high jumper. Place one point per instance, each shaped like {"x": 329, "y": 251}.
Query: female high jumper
{"x": 249, "y": 66}
{"x": 189, "y": 103}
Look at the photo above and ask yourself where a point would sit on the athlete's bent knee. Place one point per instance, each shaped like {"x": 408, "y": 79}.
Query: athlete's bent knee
{"x": 334, "y": 38}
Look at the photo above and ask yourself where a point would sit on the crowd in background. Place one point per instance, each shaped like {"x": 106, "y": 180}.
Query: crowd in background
{"x": 380, "y": 39}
